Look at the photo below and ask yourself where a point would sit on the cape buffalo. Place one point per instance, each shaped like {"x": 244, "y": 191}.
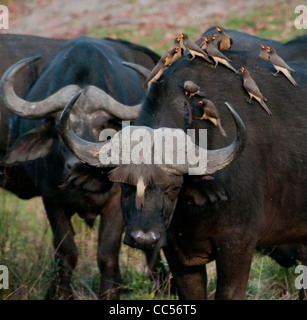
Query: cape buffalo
{"x": 15, "y": 47}
{"x": 244, "y": 198}
{"x": 66, "y": 185}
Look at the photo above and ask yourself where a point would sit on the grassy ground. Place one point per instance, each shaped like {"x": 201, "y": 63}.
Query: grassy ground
{"x": 25, "y": 236}
{"x": 267, "y": 21}
{"x": 25, "y": 248}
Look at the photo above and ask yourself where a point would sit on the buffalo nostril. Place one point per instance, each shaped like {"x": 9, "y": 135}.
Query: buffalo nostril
{"x": 143, "y": 239}
{"x": 152, "y": 236}
{"x": 137, "y": 235}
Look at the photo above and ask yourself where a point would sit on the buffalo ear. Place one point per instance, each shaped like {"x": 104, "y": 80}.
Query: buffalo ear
{"x": 32, "y": 145}
{"x": 207, "y": 191}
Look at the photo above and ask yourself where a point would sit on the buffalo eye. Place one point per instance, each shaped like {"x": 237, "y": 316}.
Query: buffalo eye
{"x": 176, "y": 189}
{"x": 172, "y": 192}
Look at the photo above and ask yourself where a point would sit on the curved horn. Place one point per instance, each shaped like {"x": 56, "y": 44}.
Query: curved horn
{"x": 23, "y": 108}
{"x": 220, "y": 158}
{"x": 216, "y": 159}
{"x": 138, "y": 68}
{"x": 105, "y": 102}
{"x": 57, "y": 101}
{"x": 89, "y": 152}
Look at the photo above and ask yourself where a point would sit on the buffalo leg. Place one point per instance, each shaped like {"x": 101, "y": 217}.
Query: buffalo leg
{"x": 233, "y": 267}
{"x": 190, "y": 281}
{"x": 65, "y": 252}
{"x": 109, "y": 242}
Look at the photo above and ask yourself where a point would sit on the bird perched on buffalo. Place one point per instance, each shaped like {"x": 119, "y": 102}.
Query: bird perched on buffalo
{"x": 178, "y": 43}
{"x": 280, "y": 65}
{"x": 211, "y": 114}
{"x": 193, "y": 48}
{"x": 264, "y": 54}
{"x": 216, "y": 55}
{"x": 251, "y": 87}
{"x": 203, "y": 45}
{"x": 191, "y": 89}
{"x": 156, "y": 72}
{"x": 173, "y": 55}
{"x": 225, "y": 42}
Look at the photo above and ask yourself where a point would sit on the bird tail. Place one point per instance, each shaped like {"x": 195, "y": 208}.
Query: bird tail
{"x": 290, "y": 78}
{"x": 265, "y": 107}
{"x": 206, "y": 57}
{"x": 202, "y": 93}
{"x": 219, "y": 125}
{"x": 231, "y": 67}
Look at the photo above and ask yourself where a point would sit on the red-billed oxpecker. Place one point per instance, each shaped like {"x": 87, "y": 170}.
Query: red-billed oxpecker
{"x": 251, "y": 87}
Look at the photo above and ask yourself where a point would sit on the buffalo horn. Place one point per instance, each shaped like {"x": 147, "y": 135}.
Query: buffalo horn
{"x": 57, "y": 101}
{"x": 88, "y": 152}
{"x": 138, "y": 68}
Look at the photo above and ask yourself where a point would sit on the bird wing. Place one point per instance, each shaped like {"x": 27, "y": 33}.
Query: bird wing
{"x": 212, "y": 51}
{"x": 211, "y": 110}
{"x": 278, "y": 61}
{"x": 251, "y": 86}
{"x": 231, "y": 41}
{"x": 193, "y": 46}
{"x": 154, "y": 72}
{"x": 190, "y": 86}
{"x": 156, "y": 175}
{"x": 125, "y": 174}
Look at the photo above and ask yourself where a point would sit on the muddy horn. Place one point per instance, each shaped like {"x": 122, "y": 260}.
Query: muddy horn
{"x": 57, "y": 101}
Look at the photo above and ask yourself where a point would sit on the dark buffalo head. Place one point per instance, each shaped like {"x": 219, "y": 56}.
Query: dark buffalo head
{"x": 104, "y": 104}
{"x": 149, "y": 197}
{"x": 96, "y": 112}
{"x": 149, "y": 191}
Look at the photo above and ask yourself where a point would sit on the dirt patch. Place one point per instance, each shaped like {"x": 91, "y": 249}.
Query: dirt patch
{"x": 64, "y": 19}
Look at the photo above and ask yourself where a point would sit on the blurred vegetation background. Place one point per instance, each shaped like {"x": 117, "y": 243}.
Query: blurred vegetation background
{"x": 25, "y": 235}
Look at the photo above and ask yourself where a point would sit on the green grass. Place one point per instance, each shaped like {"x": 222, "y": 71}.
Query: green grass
{"x": 157, "y": 39}
{"x": 267, "y": 22}
{"x": 25, "y": 247}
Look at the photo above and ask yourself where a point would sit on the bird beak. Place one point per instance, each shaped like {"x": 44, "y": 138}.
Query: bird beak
{"x": 206, "y": 39}
{"x": 242, "y": 69}
{"x": 200, "y": 102}
{"x": 262, "y": 46}
{"x": 181, "y": 35}
{"x": 218, "y": 29}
